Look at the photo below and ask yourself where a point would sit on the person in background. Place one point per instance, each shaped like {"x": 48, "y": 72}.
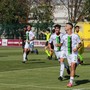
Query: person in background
{"x": 81, "y": 49}
{"x": 29, "y": 43}
{"x": 47, "y": 34}
{"x": 23, "y": 36}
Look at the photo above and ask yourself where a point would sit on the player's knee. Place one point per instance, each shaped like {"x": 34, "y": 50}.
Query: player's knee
{"x": 61, "y": 60}
{"x": 73, "y": 65}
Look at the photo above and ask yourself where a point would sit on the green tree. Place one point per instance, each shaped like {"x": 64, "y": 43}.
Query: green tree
{"x": 12, "y": 14}
{"x": 75, "y": 9}
{"x": 42, "y": 14}
{"x": 87, "y": 10}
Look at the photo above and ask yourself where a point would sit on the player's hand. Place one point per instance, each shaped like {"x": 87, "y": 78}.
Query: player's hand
{"x": 75, "y": 50}
{"x": 51, "y": 50}
{"x": 57, "y": 45}
{"x": 28, "y": 41}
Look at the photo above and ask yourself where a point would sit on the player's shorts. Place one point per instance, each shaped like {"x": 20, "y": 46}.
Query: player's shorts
{"x": 52, "y": 46}
{"x": 72, "y": 58}
{"x": 46, "y": 44}
{"x": 29, "y": 45}
{"x": 59, "y": 54}
{"x": 23, "y": 45}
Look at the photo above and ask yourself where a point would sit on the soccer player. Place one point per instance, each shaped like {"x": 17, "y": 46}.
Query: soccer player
{"x": 81, "y": 49}
{"x": 48, "y": 34}
{"x": 29, "y": 44}
{"x": 71, "y": 43}
{"x": 56, "y": 39}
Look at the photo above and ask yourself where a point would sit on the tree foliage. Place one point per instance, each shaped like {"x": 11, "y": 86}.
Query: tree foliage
{"x": 75, "y": 9}
{"x": 12, "y": 11}
{"x": 87, "y": 9}
{"x": 12, "y": 14}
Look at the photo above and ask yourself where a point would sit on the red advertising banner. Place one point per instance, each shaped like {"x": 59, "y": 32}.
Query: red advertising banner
{"x": 17, "y": 42}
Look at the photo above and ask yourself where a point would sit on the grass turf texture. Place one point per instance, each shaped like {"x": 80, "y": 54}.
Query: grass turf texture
{"x": 38, "y": 73}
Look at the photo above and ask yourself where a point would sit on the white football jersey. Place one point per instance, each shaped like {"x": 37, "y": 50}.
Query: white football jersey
{"x": 70, "y": 42}
{"x": 29, "y": 35}
{"x": 56, "y": 39}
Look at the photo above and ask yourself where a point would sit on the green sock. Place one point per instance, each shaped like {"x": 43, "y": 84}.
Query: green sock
{"x": 80, "y": 56}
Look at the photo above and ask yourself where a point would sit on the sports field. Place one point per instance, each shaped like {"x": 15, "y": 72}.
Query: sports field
{"x": 38, "y": 73}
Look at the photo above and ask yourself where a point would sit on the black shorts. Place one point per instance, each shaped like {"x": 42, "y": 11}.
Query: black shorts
{"x": 52, "y": 46}
{"x": 46, "y": 43}
{"x": 23, "y": 44}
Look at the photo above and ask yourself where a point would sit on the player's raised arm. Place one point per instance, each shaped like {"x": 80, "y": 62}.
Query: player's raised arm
{"x": 43, "y": 32}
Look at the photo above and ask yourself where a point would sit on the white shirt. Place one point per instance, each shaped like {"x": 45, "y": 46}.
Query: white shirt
{"x": 29, "y": 36}
{"x": 72, "y": 43}
{"x": 54, "y": 40}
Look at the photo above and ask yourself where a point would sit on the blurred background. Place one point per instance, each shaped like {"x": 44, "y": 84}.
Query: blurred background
{"x": 42, "y": 14}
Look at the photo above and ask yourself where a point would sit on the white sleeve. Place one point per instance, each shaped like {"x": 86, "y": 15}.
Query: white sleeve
{"x": 33, "y": 34}
{"x": 51, "y": 39}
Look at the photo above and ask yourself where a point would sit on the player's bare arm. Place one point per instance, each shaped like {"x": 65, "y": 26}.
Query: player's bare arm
{"x": 49, "y": 45}
{"x": 58, "y": 45}
{"x": 79, "y": 45}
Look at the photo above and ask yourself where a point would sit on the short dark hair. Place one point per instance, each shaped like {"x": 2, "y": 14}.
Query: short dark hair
{"x": 57, "y": 25}
{"x": 29, "y": 25}
{"x": 48, "y": 30}
{"x": 77, "y": 27}
{"x": 70, "y": 24}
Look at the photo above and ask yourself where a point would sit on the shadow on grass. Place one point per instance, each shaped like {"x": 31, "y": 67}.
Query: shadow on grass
{"x": 36, "y": 61}
{"x": 3, "y": 56}
{"x": 67, "y": 77}
{"x": 78, "y": 82}
{"x": 86, "y": 64}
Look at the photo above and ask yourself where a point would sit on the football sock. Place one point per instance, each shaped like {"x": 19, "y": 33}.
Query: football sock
{"x": 24, "y": 56}
{"x": 27, "y": 52}
{"x": 71, "y": 80}
{"x": 66, "y": 66}
{"x": 80, "y": 56}
{"x": 47, "y": 52}
{"x": 61, "y": 69}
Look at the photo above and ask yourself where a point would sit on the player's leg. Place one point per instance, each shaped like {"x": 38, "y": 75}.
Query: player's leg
{"x": 63, "y": 55}
{"x": 61, "y": 61}
{"x": 73, "y": 59}
{"x": 32, "y": 48}
{"x": 23, "y": 45}
{"x": 24, "y": 55}
{"x": 25, "y": 51}
{"x": 61, "y": 68}
{"x": 67, "y": 68}
{"x": 51, "y": 52}
{"x": 80, "y": 52}
{"x": 47, "y": 51}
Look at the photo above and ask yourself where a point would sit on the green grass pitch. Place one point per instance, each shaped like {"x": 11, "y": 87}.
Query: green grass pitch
{"x": 38, "y": 73}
